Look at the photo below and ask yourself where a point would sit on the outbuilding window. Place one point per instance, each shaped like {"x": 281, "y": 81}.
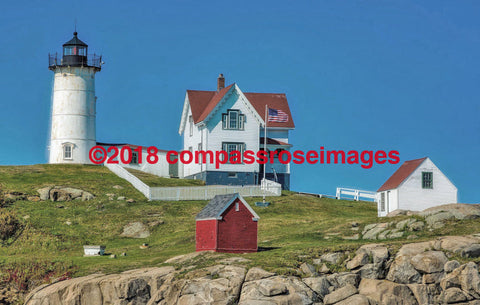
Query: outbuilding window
{"x": 427, "y": 180}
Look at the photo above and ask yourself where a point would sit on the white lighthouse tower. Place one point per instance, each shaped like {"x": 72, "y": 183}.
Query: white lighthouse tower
{"x": 72, "y": 132}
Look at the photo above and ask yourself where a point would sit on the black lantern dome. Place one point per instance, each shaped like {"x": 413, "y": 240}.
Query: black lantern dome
{"x": 75, "y": 54}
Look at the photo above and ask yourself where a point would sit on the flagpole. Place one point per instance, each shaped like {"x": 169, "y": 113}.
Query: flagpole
{"x": 265, "y": 149}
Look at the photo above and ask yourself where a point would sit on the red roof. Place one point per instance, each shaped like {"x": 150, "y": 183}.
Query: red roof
{"x": 203, "y": 102}
{"x": 198, "y": 102}
{"x": 401, "y": 174}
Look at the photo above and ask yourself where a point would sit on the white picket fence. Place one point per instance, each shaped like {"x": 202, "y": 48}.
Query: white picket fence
{"x": 356, "y": 194}
{"x": 177, "y": 193}
{"x": 210, "y": 191}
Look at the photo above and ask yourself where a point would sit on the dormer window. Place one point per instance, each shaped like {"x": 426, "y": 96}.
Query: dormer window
{"x": 233, "y": 120}
{"x": 67, "y": 151}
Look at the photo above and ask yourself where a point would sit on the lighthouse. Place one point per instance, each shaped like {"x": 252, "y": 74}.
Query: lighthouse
{"x": 72, "y": 130}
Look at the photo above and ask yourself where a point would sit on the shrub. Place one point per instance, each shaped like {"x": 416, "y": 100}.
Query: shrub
{"x": 9, "y": 225}
{"x": 26, "y": 275}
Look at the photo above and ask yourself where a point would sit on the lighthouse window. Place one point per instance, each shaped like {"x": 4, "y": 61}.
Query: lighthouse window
{"x": 75, "y": 50}
{"x": 67, "y": 152}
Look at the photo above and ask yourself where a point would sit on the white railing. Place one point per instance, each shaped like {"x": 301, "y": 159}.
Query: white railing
{"x": 356, "y": 194}
{"x": 137, "y": 183}
{"x": 176, "y": 193}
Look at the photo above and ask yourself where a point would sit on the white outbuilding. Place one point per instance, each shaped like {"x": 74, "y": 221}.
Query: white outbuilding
{"x": 417, "y": 185}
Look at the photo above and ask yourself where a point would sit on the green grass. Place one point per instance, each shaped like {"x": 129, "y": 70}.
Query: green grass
{"x": 293, "y": 228}
{"x": 154, "y": 181}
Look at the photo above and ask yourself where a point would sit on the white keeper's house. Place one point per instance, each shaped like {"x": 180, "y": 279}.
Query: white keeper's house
{"x": 417, "y": 185}
{"x": 229, "y": 119}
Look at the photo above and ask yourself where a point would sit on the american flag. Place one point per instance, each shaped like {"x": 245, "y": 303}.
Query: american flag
{"x": 275, "y": 115}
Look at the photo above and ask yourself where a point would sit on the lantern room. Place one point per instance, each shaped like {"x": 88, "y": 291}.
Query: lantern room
{"x": 75, "y": 52}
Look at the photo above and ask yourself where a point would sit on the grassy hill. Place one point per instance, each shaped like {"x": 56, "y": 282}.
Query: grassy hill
{"x": 50, "y": 241}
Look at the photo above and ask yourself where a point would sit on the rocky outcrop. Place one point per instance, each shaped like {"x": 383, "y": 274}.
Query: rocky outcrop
{"x": 213, "y": 285}
{"x": 276, "y": 290}
{"x": 59, "y": 193}
{"x": 457, "y": 210}
{"x": 386, "y": 292}
{"x": 135, "y": 230}
{"x": 418, "y": 273}
{"x": 431, "y": 219}
{"x": 131, "y": 287}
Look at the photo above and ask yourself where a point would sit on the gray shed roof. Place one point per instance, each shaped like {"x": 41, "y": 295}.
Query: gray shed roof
{"x": 219, "y": 204}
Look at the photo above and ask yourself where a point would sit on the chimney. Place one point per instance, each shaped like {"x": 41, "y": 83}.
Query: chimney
{"x": 220, "y": 82}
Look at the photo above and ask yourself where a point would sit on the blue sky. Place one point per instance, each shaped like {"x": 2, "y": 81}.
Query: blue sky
{"x": 364, "y": 75}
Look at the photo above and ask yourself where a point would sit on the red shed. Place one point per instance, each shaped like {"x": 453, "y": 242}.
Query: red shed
{"x": 227, "y": 224}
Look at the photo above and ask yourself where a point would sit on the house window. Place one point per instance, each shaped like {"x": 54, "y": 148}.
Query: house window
{"x": 232, "y": 175}
{"x": 190, "y": 121}
{"x": 427, "y": 180}
{"x": 233, "y": 120}
{"x": 134, "y": 157}
{"x": 67, "y": 151}
{"x": 382, "y": 202}
{"x": 230, "y": 147}
{"x": 237, "y": 207}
